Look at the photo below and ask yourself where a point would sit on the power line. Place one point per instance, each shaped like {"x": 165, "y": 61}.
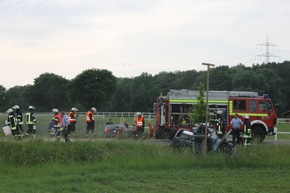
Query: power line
{"x": 267, "y": 54}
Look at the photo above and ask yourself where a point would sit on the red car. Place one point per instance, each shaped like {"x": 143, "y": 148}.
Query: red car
{"x": 113, "y": 129}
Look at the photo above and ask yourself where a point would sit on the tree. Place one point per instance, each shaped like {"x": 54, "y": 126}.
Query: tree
{"x": 122, "y": 95}
{"x": 220, "y": 78}
{"x": 3, "y": 99}
{"x": 16, "y": 96}
{"x": 199, "y": 111}
{"x": 93, "y": 87}
{"x": 49, "y": 91}
{"x": 140, "y": 98}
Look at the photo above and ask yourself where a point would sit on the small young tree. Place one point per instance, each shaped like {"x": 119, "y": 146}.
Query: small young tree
{"x": 199, "y": 111}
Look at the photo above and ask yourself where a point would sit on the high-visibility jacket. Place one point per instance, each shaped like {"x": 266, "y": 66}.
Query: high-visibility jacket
{"x": 139, "y": 121}
{"x": 11, "y": 121}
{"x": 247, "y": 133}
{"x": 72, "y": 116}
{"x": 219, "y": 126}
{"x": 57, "y": 119}
{"x": 90, "y": 117}
{"x": 19, "y": 118}
{"x": 30, "y": 118}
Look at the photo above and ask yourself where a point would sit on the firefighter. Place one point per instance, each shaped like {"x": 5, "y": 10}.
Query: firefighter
{"x": 19, "y": 118}
{"x": 236, "y": 124}
{"x": 72, "y": 116}
{"x": 30, "y": 121}
{"x": 247, "y": 133}
{"x": 57, "y": 123}
{"x": 90, "y": 119}
{"x": 140, "y": 124}
{"x": 12, "y": 123}
{"x": 219, "y": 123}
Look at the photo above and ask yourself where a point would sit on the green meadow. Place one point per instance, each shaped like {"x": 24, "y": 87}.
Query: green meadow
{"x": 134, "y": 165}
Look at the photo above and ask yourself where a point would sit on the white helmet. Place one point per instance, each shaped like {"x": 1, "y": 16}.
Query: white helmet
{"x": 55, "y": 110}
{"x": 15, "y": 107}
{"x": 74, "y": 109}
{"x": 94, "y": 109}
{"x": 9, "y": 111}
{"x": 138, "y": 113}
{"x": 246, "y": 116}
{"x": 219, "y": 112}
{"x": 31, "y": 107}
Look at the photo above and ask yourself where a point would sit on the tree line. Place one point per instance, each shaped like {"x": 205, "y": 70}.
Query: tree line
{"x": 101, "y": 89}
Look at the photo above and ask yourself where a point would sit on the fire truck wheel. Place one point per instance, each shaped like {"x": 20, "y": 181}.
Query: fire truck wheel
{"x": 172, "y": 133}
{"x": 258, "y": 134}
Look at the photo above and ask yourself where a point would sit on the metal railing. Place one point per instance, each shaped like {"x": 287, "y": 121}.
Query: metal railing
{"x": 282, "y": 121}
{"x": 150, "y": 116}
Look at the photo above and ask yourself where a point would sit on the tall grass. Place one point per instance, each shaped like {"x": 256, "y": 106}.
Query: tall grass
{"x": 121, "y": 154}
{"x": 133, "y": 166}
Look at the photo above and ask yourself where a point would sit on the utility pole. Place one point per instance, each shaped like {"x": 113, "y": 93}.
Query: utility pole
{"x": 267, "y": 54}
{"x": 206, "y": 111}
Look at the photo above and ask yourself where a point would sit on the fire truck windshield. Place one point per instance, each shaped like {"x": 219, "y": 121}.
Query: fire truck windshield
{"x": 265, "y": 105}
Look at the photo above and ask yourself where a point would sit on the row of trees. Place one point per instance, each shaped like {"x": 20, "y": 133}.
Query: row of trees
{"x": 99, "y": 88}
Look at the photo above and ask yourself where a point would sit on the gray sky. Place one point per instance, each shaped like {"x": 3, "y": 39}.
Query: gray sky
{"x": 129, "y": 37}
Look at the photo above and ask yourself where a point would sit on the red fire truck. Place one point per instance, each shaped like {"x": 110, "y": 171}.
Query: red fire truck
{"x": 174, "y": 111}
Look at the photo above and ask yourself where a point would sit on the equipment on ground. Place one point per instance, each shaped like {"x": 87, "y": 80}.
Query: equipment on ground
{"x": 6, "y": 130}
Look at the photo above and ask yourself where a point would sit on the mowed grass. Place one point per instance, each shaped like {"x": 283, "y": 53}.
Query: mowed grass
{"x": 43, "y": 120}
{"x": 122, "y": 166}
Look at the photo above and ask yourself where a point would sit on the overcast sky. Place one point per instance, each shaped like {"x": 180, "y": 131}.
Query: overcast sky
{"x": 128, "y": 37}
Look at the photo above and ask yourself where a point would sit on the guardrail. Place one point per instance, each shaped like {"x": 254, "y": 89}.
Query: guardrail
{"x": 282, "y": 121}
{"x": 150, "y": 116}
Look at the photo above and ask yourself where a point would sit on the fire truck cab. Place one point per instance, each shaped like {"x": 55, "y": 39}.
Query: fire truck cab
{"x": 174, "y": 111}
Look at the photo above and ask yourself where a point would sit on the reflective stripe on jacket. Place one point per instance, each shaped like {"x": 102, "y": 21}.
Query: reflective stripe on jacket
{"x": 90, "y": 117}
{"x": 139, "y": 121}
{"x": 30, "y": 118}
{"x": 11, "y": 122}
{"x": 57, "y": 120}
{"x": 72, "y": 117}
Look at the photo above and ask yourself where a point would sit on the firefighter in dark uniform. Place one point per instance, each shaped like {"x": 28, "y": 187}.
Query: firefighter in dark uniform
{"x": 12, "y": 123}
{"x": 19, "y": 118}
{"x": 220, "y": 129}
{"x": 30, "y": 121}
{"x": 247, "y": 133}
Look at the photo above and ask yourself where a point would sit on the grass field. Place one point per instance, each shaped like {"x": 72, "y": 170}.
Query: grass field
{"x": 43, "y": 121}
{"x": 130, "y": 165}
{"x": 119, "y": 166}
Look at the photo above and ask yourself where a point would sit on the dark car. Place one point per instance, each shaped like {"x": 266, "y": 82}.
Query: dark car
{"x": 116, "y": 130}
